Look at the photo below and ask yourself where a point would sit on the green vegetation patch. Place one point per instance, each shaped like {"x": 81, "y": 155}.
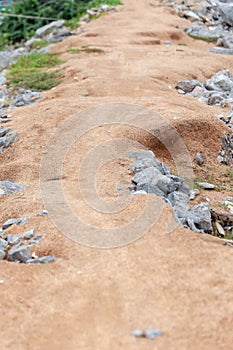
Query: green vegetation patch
{"x": 29, "y": 72}
{"x": 14, "y": 29}
{"x": 204, "y": 38}
{"x": 86, "y": 49}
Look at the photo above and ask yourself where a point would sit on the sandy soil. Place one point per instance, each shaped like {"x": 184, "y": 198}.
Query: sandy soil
{"x": 92, "y": 298}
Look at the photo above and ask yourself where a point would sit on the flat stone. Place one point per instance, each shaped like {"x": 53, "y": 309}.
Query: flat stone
{"x": 147, "y": 333}
{"x": 206, "y": 185}
{"x": 4, "y": 131}
{"x": 43, "y": 260}
{"x": 49, "y": 27}
{"x": 13, "y": 239}
{"x": 22, "y": 220}
{"x": 2, "y": 254}
{"x": 8, "y": 223}
{"x": 19, "y": 253}
{"x": 43, "y": 213}
{"x": 188, "y": 85}
{"x": 3, "y": 244}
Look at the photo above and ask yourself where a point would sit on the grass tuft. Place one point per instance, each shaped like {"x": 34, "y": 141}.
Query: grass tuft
{"x": 29, "y": 72}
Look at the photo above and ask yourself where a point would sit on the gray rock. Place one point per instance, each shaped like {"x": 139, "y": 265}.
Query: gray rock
{"x": 49, "y": 27}
{"x": 29, "y": 234}
{"x": 194, "y": 193}
{"x": 226, "y": 11}
{"x": 22, "y": 220}
{"x": 2, "y": 254}
{"x": 3, "y": 244}
{"x": 43, "y": 260}
{"x": 180, "y": 203}
{"x": 147, "y": 333}
{"x": 226, "y": 41}
{"x": 29, "y": 43}
{"x": 19, "y": 253}
{"x": 8, "y": 57}
{"x": 221, "y": 81}
{"x": 206, "y": 185}
{"x": 8, "y": 223}
{"x": 199, "y": 159}
{"x": 152, "y": 181}
{"x": 188, "y": 85}
{"x": 57, "y": 35}
{"x": 43, "y": 213}
{"x": 4, "y": 131}
{"x": 13, "y": 239}
{"x": 139, "y": 192}
{"x": 9, "y": 187}
{"x": 222, "y": 51}
{"x": 199, "y": 218}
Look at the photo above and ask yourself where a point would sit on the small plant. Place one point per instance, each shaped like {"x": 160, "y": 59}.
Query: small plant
{"x": 204, "y": 38}
{"x": 229, "y": 174}
{"x": 38, "y": 44}
{"x": 29, "y": 72}
{"x": 85, "y": 49}
{"x": 182, "y": 44}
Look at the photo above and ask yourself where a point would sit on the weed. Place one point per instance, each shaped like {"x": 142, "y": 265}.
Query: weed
{"x": 204, "y": 38}
{"x": 29, "y": 72}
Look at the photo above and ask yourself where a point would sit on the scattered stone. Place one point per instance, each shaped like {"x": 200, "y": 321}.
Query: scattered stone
{"x": 22, "y": 220}
{"x": 220, "y": 229}
{"x": 19, "y": 253}
{"x": 3, "y": 244}
{"x": 43, "y": 260}
{"x": 2, "y": 255}
{"x": 199, "y": 218}
{"x": 194, "y": 193}
{"x": 218, "y": 90}
{"x": 156, "y": 178}
{"x": 43, "y": 213}
{"x": 8, "y": 223}
{"x": 13, "y": 239}
{"x": 49, "y": 27}
{"x": 206, "y": 185}
{"x": 188, "y": 85}
{"x": 147, "y": 333}
{"x": 199, "y": 159}
{"x": 226, "y": 153}
{"x": 29, "y": 234}
{"x": 9, "y": 187}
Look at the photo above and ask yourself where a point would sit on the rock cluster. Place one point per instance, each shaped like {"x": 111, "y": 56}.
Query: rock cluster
{"x": 95, "y": 12}
{"x": 152, "y": 176}
{"x": 6, "y": 138}
{"x": 9, "y": 187}
{"x": 213, "y": 21}
{"x": 226, "y": 153}
{"x": 218, "y": 90}
{"x": 16, "y": 247}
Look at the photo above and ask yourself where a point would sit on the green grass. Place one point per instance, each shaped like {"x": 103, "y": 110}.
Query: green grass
{"x": 85, "y": 49}
{"x": 74, "y": 22}
{"x": 29, "y": 72}
{"x": 204, "y": 38}
{"x": 38, "y": 44}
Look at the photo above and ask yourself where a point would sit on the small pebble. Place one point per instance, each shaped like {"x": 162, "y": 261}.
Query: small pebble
{"x": 43, "y": 213}
{"x": 147, "y": 333}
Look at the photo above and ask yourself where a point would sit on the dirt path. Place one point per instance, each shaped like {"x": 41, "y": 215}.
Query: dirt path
{"x": 180, "y": 283}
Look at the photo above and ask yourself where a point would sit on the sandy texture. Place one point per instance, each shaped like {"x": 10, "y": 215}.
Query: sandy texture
{"x": 181, "y": 282}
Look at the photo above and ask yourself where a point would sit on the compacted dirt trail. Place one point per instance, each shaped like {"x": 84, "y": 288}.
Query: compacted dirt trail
{"x": 179, "y": 282}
